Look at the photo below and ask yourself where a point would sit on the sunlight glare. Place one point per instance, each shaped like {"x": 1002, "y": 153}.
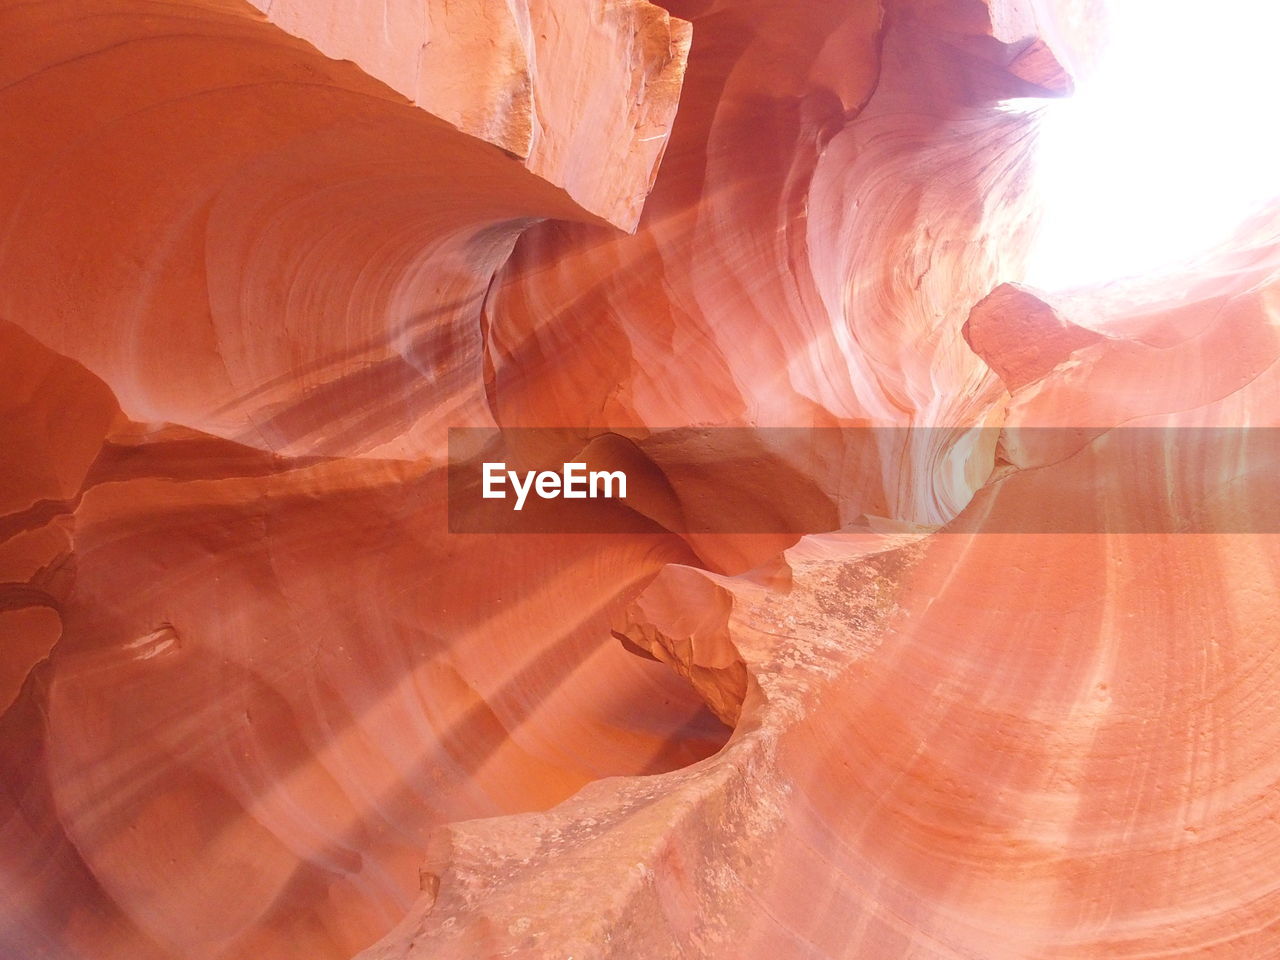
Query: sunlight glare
{"x": 1170, "y": 144}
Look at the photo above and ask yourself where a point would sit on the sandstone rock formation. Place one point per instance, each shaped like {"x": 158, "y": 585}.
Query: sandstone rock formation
{"x": 941, "y": 627}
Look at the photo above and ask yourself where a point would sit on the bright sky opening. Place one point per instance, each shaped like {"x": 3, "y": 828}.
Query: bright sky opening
{"x": 1168, "y": 146}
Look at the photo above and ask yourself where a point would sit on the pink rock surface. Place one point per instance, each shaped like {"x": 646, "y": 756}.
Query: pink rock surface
{"x": 1011, "y": 697}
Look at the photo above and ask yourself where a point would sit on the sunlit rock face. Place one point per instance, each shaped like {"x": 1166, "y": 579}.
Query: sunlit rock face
{"x": 1010, "y": 697}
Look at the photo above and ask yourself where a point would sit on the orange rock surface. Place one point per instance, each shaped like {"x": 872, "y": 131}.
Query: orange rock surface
{"x": 941, "y": 623}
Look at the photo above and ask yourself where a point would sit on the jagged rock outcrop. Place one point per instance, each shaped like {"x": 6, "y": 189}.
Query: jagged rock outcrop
{"x": 261, "y": 699}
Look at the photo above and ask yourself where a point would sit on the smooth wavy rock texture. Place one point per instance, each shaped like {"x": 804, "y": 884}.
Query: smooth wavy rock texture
{"x": 1012, "y": 697}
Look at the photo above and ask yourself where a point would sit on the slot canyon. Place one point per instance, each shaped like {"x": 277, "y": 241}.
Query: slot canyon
{"x": 940, "y": 619}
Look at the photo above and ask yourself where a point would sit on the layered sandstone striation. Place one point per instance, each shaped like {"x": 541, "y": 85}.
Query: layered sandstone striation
{"x": 1010, "y": 698}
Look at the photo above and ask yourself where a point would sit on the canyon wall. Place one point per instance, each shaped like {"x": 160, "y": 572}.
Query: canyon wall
{"x": 941, "y": 625}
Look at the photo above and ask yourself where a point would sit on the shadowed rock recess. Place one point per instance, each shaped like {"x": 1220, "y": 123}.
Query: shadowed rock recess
{"x": 849, "y": 698}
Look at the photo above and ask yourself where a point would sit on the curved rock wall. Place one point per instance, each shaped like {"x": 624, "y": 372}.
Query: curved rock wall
{"x": 1011, "y": 698}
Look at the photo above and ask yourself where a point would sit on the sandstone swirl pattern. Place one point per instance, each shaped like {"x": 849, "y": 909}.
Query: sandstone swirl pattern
{"x": 260, "y": 704}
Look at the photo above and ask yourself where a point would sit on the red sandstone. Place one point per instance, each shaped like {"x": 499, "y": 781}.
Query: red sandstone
{"x": 260, "y": 703}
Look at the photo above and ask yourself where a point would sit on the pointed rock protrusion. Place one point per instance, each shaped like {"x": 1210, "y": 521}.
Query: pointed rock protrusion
{"x": 1021, "y": 337}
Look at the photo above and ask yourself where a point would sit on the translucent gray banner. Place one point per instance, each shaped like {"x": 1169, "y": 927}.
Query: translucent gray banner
{"x": 784, "y": 480}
